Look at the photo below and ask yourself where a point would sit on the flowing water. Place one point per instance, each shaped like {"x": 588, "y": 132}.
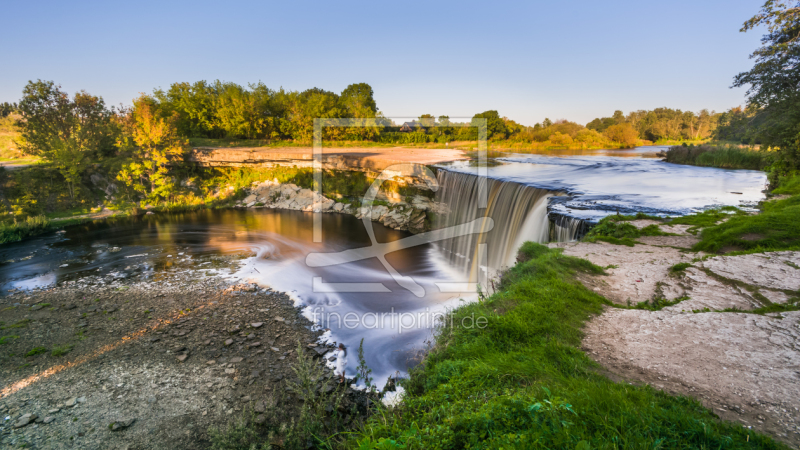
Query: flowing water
{"x": 527, "y": 197}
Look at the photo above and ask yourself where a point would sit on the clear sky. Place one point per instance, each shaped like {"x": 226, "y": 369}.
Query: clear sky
{"x": 529, "y": 60}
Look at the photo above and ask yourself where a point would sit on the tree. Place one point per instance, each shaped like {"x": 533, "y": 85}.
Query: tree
{"x": 358, "y": 101}
{"x": 495, "y": 127}
{"x": 153, "y": 144}
{"x": 65, "y": 132}
{"x": 774, "y": 82}
{"x": 196, "y": 108}
{"x": 7, "y": 108}
{"x": 622, "y": 133}
{"x": 427, "y": 120}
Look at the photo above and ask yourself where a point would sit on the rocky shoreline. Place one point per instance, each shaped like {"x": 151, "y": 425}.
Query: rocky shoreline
{"x": 139, "y": 363}
{"x": 404, "y": 214}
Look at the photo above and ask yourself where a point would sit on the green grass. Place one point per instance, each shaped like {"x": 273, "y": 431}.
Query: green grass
{"x": 706, "y": 218}
{"x": 5, "y": 339}
{"x": 616, "y": 230}
{"x": 788, "y": 186}
{"x": 680, "y": 267}
{"x": 722, "y": 156}
{"x": 36, "y": 351}
{"x": 776, "y": 228}
{"x": 522, "y": 381}
{"x": 19, "y": 230}
{"x": 61, "y": 350}
{"x": 19, "y": 324}
{"x": 658, "y": 304}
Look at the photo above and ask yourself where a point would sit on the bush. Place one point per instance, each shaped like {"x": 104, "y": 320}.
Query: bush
{"x": 724, "y": 157}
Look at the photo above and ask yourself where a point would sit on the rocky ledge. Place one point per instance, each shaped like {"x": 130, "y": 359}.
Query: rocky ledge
{"x": 409, "y": 214}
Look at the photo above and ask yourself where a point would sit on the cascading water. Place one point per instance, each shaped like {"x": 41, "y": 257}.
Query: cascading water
{"x": 519, "y": 213}
{"x": 566, "y": 229}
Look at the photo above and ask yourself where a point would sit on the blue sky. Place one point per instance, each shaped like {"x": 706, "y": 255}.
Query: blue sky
{"x": 528, "y": 60}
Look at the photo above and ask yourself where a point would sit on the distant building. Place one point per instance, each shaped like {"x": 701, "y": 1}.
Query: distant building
{"x": 412, "y": 126}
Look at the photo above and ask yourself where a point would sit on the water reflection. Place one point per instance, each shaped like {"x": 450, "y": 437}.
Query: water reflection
{"x": 265, "y": 246}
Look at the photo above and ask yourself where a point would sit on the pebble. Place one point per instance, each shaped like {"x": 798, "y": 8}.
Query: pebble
{"x": 211, "y": 362}
{"x": 48, "y": 419}
{"x": 228, "y": 342}
{"x": 53, "y": 411}
{"x": 24, "y": 420}
{"x": 236, "y": 359}
{"x": 182, "y": 357}
{"x": 280, "y": 319}
{"x": 71, "y": 402}
{"x": 230, "y": 371}
{"x": 115, "y": 426}
{"x": 257, "y": 324}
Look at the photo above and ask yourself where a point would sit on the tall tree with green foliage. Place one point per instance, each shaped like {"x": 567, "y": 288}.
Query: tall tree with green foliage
{"x": 151, "y": 139}
{"x": 65, "y": 132}
{"x": 495, "y": 126}
{"x": 774, "y": 82}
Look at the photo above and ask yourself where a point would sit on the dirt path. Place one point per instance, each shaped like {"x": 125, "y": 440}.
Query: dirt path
{"x": 163, "y": 360}
{"x": 744, "y": 366}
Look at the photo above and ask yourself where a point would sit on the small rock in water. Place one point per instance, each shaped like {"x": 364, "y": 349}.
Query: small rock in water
{"x": 48, "y": 419}
{"x": 280, "y": 319}
{"x": 236, "y": 359}
{"x": 71, "y": 402}
{"x": 182, "y": 357}
{"x": 229, "y": 342}
{"x": 257, "y": 324}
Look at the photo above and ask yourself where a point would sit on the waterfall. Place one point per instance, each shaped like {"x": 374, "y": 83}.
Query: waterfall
{"x": 566, "y": 229}
{"x": 519, "y": 213}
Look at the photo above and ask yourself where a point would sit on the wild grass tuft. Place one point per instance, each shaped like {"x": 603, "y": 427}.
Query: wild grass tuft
{"x": 36, "y": 351}
{"x": 19, "y": 230}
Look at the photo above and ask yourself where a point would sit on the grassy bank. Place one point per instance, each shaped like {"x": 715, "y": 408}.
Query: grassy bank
{"x": 723, "y": 156}
{"x": 616, "y": 230}
{"x": 522, "y": 381}
{"x": 776, "y": 228}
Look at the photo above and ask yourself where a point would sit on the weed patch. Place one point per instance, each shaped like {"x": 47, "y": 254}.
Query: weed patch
{"x": 36, "y": 351}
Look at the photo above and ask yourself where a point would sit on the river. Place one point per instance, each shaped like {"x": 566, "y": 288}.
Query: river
{"x": 272, "y": 247}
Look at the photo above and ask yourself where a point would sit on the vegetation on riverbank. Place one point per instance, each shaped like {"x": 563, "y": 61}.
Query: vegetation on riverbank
{"x": 523, "y": 381}
{"x": 615, "y": 229}
{"x": 776, "y": 228}
{"x": 722, "y": 156}
{"x": 19, "y": 230}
